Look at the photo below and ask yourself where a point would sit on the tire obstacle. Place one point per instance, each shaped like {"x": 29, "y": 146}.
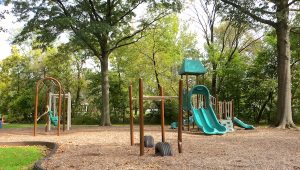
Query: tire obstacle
{"x": 161, "y": 148}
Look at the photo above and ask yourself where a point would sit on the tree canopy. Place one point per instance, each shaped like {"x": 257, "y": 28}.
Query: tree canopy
{"x": 250, "y": 49}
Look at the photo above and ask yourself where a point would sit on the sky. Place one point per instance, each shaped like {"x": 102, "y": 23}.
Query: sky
{"x": 10, "y": 24}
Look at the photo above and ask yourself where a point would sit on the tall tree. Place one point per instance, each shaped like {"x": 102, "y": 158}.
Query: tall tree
{"x": 99, "y": 26}
{"x": 223, "y": 38}
{"x": 276, "y": 14}
{"x": 16, "y": 92}
{"x": 207, "y": 26}
{"x": 159, "y": 53}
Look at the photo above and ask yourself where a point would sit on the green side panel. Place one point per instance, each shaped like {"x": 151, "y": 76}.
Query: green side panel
{"x": 192, "y": 67}
{"x": 206, "y": 119}
{"x": 241, "y": 124}
{"x": 53, "y": 119}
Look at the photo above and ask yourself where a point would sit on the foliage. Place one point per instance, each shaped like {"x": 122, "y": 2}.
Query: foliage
{"x": 243, "y": 65}
{"x": 86, "y": 119}
{"x": 276, "y": 14}
{"x": 156, "y": 59}
{"x": 99, "y": 27}
{"x": 15, "y": 90}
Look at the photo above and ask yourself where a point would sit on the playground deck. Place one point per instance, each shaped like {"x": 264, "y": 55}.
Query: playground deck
{"x": 109, "y": 148}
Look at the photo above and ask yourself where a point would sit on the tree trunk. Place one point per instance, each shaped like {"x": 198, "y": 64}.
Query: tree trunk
{"x": 155, "y": 71}
{"x": 284, "y": 112}
{"x": 258, "y": 118}
{"x": 214, "y": 79}
{"x": 105, "y": 116}
{"x": 78, "y": 91}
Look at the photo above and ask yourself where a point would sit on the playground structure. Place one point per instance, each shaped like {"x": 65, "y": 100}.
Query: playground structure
{"x": 52, "y": 103}
{"x": 204, "y": 106}
{"x": 205, "y": 117}
{"x": 194, "y": 68}
{"x": 54, "y": 113}
{"x": 224, "y": 110}
{"x": 214, "y": 117}
{"x": 161, "y": 98}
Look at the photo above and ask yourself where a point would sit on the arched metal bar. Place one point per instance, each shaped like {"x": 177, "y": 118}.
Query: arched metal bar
{"x": 57, "y": 83}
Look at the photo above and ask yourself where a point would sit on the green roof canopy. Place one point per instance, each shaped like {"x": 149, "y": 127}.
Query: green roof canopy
{"x": 192, "y": 67}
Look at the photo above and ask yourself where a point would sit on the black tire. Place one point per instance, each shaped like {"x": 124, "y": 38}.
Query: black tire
{"x": 148, "y": 141}
{"x": 163, "y": 149}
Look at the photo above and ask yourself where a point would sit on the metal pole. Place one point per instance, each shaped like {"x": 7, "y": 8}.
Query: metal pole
{"x": 162, "y": 108}
{"x": 36, "y": 107}
{"x": 47, "y": 102}
{"x": 55, "y": 111}
{"x": 131, "y": 116}
{"x": 36, "y": 103}
{"x": 69, "y": 111}
{"x": 180, "y": 98}
{"x": 50, "y": 108}
{"x": 64, "y": 111}
{"x": 141, "y": 117}
{"x": 59, "y": 107}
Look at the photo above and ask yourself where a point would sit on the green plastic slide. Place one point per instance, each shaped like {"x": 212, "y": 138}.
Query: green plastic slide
{"x": 241, "y": 124}
{"x": 205, "y": 118}
{"x": 53, "y": 119}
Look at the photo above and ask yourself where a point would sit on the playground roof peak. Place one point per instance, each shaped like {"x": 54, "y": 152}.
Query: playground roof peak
{"x": 192, "y": 67}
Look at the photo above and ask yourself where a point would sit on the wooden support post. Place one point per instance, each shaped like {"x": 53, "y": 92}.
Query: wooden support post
{"x": 224, "y": 110}
{"x": 180, "y": 98}
{"x": 228, "y": 109}
{"x": 220, "y": 110}
{"x": 188, "y": 111}
{"x": 162, "y": 108}
{"x": 217, "y": 107}
{"x": 198, "y": 98}
{"x": 131, "y": 116}
{"x": 232, "y": 105}
{"x": 141, "y": 117}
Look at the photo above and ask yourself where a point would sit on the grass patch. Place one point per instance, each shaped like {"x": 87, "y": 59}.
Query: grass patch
{"x": 16, "y": 126}
{"x": 20, "y": 157}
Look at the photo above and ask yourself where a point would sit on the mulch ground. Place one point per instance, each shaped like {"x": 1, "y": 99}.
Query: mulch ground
{"x": 109, "y": 148}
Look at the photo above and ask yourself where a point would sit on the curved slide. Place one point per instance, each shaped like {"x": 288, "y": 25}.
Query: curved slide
{"x": 241, "y": 124}
{"x": 207, "y": 121}
{"x": 206, "y": 118}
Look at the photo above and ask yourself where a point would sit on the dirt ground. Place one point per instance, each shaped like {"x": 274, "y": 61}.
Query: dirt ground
{"x": 109, "y": 148}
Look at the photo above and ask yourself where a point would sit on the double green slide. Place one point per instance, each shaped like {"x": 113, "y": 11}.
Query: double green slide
{"x": 205, "y": 118}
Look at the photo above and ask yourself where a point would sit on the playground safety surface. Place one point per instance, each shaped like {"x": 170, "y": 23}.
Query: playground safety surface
{"x": 97, "y": 147}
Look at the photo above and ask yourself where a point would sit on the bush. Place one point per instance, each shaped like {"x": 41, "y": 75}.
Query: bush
{"x": 171, "y": 113}
{"x": 86, "y": 119}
